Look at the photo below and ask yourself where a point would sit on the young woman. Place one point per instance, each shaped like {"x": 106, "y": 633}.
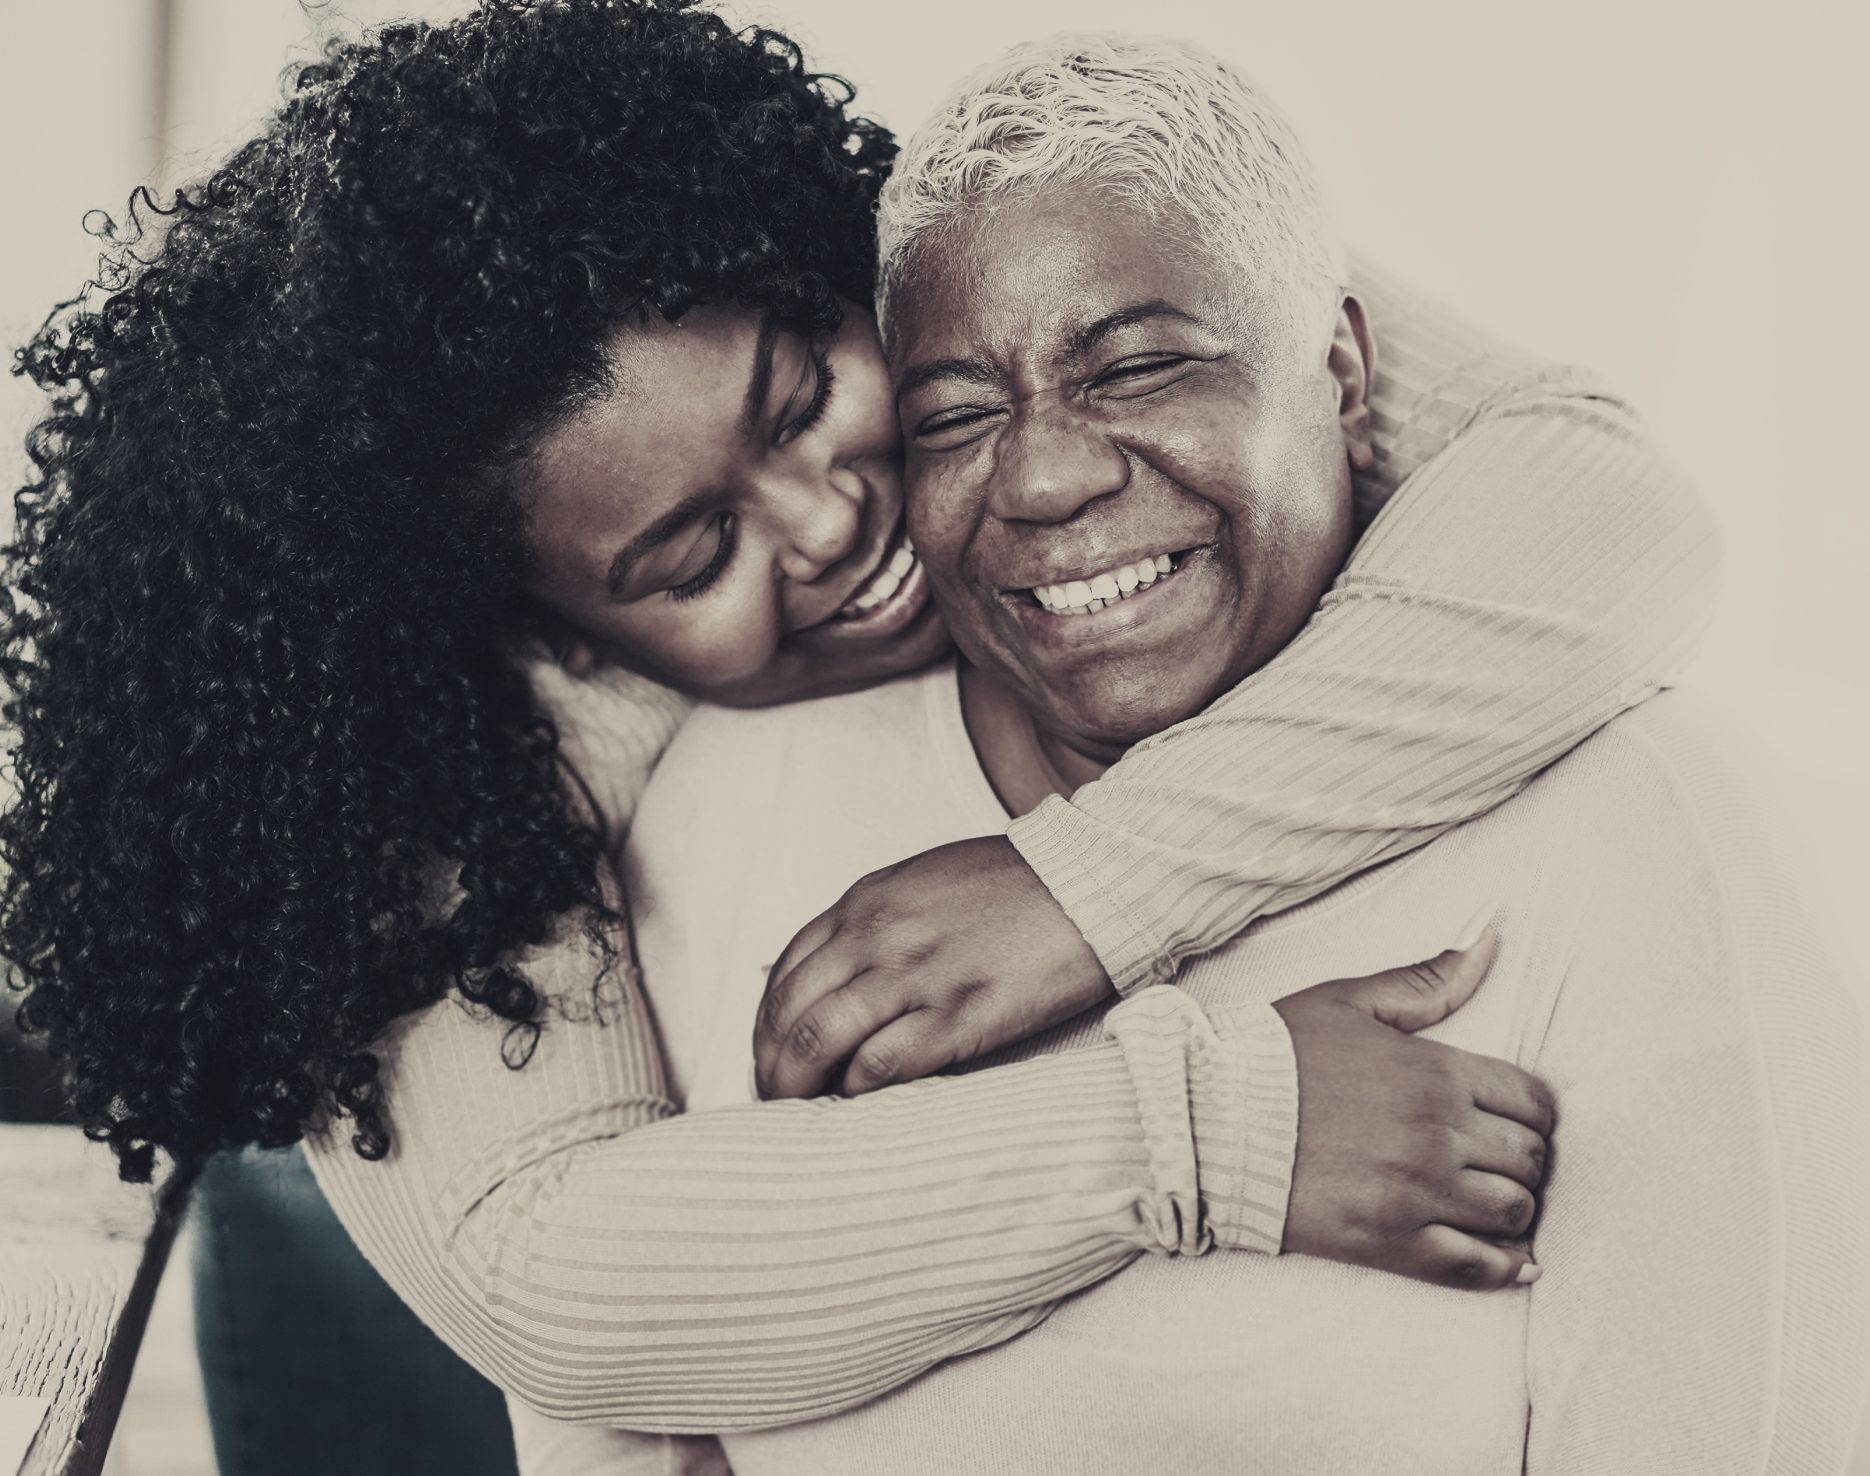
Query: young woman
{"x": 351, "y": 429}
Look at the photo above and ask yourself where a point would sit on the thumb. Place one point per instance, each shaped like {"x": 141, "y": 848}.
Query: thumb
{"x": 1420, "y": 995}
{"x": 578, "y": 657}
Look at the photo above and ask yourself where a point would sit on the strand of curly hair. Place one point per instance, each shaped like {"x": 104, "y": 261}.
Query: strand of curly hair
{"x": 280, "y": 776}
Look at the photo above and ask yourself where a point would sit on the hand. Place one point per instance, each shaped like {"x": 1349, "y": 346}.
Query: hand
{"x": 1413, "y": 1157}
{"x": 933, "y": 961}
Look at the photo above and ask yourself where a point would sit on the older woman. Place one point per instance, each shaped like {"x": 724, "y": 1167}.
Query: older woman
{"x": 369, "y": 412}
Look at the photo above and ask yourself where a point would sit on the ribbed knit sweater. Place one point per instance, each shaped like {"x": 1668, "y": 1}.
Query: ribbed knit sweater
{"x": 1662, "y": 963}
{"x": 1534, "y": 566}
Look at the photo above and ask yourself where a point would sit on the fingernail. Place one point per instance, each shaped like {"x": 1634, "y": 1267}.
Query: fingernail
{"x": 1474, "y": 932}
{"x": 1529, "y": 1273}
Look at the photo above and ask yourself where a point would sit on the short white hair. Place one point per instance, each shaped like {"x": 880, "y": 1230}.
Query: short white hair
{"x": 1159, "y": 121}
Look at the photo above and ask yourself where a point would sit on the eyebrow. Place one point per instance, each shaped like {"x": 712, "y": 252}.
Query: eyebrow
{"x": 658, "y": 532}
{"x": 1087, "y": 338}
{"x": 761, "y": 380}
{"x": 972, "y": 371}
{"x": 1081, "y": 342}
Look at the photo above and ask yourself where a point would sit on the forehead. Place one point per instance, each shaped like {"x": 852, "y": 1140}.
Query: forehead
{"x": 663, "y": 423}
{"x": 1021, "y": 273}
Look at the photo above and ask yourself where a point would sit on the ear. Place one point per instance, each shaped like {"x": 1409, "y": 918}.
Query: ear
{"x": 1352, "y": 361}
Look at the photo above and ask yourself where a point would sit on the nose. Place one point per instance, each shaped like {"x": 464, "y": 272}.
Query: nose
{"x": 1051, "y": 461}
{"x": 816, "y": 515}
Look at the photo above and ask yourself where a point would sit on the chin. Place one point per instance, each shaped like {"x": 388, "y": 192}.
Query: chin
{"x": 1115, "y": 720}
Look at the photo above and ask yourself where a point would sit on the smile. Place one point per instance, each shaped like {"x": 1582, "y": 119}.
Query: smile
{"x": 892, "y": 573}
{"x": 1088, "y": 595}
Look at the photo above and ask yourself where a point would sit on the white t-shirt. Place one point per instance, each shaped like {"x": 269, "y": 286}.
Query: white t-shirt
{"x": 1706, "y": 1049}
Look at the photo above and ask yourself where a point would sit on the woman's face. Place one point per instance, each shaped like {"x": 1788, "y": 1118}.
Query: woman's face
{"x": 728, "y": 515}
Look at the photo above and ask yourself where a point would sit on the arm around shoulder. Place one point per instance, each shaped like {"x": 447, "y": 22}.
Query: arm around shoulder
{"x": 1547, "y": 569}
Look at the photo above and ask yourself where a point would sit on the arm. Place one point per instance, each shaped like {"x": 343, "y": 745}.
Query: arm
{"x": 1535, "y": 566}
{"x": 1705, "y": 1306}
{"x": 606, "y": 1261}
{"x": 1546, "y": 570}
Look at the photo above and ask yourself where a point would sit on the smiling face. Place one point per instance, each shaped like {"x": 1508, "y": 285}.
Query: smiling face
{"x": 727, "y": 517}
{"x": 1129, "y": 485}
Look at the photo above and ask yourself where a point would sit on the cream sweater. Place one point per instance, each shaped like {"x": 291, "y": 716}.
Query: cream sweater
{"x": 1537, "y": 568}
{"x": 1705, "y": 1306}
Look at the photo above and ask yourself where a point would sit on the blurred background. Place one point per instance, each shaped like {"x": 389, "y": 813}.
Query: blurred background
{"x": 1670, "y": 190}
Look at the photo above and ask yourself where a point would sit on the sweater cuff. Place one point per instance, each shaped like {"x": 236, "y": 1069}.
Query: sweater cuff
{"x": 1246, "y": 1095}
{"x": 1058, "y": 842}
{"x": 1218, "y": 1098}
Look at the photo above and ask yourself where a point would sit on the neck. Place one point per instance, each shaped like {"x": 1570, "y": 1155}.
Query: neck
{"x": 1023, "y": 761}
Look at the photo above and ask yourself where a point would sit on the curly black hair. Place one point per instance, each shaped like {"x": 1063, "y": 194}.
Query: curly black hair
{"x": 280, "y": 775}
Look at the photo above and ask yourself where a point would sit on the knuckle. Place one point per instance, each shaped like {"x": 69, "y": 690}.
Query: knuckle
{"x": 876, "y": 1065}
{"x": 1391, "y": 1210}
{"x": 773, "y": 1009}
{"x": 807, "y": 1041}
{"x": 1515, "y": 1212}
{"x": 1466, "y": 1271}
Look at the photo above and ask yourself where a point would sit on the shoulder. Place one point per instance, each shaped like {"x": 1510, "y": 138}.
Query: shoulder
{"x": 743, "y": 778}
{"x": 744, "y": 748}
{"x": 1674, "y": 813}
{"x": 613, "y": 726}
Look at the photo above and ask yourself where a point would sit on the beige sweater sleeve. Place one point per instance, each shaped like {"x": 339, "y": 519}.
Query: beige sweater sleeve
{"x": 605, "y": 1260}
{"x": 1535, "y": 566}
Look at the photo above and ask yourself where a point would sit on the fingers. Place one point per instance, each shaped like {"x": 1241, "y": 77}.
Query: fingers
{"x": 1417, "y": 996}
{"x": 1450, "y": 1257}
{"x": 826, "y": 1036}
{"x": 1489, "y": 1205}
{"x": 1506, "y": 1091}
{"x": 792, "y": 987}
{"x": 1511, "y": 1149}
{"x": 912, "y": 1046}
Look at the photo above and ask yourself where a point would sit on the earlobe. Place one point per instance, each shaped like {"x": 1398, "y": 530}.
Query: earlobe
{"x": 1352, "y": 361}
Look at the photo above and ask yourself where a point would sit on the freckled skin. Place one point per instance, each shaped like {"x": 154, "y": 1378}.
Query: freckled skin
{"x": 812, "y": 513}
{"x": 1223, "y": 436}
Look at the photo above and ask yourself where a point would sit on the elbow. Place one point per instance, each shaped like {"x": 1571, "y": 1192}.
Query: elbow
{"x": 1642, "y": 553}
{"x": 1674, "y": 559}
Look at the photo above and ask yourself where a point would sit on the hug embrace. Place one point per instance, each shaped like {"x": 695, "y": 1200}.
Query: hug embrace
{"x": 1169, "y": 929}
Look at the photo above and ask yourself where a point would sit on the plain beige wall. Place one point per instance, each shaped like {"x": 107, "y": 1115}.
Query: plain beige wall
{"x": 1671, "y": 191}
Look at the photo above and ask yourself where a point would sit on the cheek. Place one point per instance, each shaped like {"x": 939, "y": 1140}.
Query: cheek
{"x": 728, "y": 635}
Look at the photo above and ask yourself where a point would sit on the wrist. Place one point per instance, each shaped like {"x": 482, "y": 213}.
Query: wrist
{"x": 1245, "y": 1092}
{"x": 1219, "y": 1118}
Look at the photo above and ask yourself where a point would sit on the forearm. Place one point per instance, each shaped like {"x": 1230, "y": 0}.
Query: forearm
{"x": 1545, "y": 572}
{"x": 776, "y": 1262}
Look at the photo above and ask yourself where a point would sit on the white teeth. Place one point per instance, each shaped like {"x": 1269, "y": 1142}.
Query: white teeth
{"x": 1084, "y": 596}
{"x": 885, "y": 582}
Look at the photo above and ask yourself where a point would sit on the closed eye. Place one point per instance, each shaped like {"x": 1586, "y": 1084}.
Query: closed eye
{"x": 950, "y": 429}
{"x": 727, "y": 539}
{"x": 822, "y": 381}
{"x": 1140, "y": 375}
